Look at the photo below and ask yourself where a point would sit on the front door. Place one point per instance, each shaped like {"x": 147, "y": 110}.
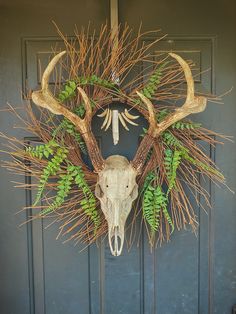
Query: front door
{"x": 39, "y": 274}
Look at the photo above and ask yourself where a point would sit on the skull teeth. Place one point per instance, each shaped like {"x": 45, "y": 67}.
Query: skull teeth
{"x": 116, "y": 241}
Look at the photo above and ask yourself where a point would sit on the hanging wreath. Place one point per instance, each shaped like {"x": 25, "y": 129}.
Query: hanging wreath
{"x": 93, "y": 202}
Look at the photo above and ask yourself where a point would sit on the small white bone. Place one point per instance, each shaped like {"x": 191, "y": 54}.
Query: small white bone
{"x": 115, "y": 126}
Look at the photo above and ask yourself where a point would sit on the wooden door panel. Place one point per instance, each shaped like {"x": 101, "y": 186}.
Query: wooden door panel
{"x": 26, "y": 278}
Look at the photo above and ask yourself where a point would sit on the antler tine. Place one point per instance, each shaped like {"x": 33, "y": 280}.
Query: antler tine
{"x": 188, "y": 76}
{"x": 50, "y": 68}
{"x": 45, "y": 99}
{"x": 87, "y": 105}
{"x": 151, "y": 118}
{"x": 193, "y": 104}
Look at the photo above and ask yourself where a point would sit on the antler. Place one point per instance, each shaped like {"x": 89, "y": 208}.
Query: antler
{"x": 45, "y": 99}
{"x": 193, "y": 104}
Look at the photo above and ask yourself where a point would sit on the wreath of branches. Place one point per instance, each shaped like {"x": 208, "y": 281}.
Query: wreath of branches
{"x": 175, "y": 162}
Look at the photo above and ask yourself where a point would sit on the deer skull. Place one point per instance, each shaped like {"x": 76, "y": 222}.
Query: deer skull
{"x": 116, "y": 185}
{"x": 116, "y": 189}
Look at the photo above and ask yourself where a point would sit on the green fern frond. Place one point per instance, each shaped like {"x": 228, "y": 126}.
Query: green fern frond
{"x": 171, "y": 162}
{"x": 64, "y": 185}
{"x": 42, "y": 150}
{"x": 148, "y": 180}
{"x": 176, "y": 160}
{"x": 69, "y": 128}
{"x": 170, "y": 140}
{"x": 53, "y": 166}
{"x": 155, "y": 201}
{"x": 151, "y": 86}
{"x": 200, "y": 164}
{"x": 68, "y": 92}
{"x": 180, "y": 125}
{"x": 151, "y": 211}
{"x": 69, "y": 89}
{"x": 162, "y": 114}
{"x": 88, "y": 203}
{"x": 153, "y": 82}
{"x": 168, "y": 158}
{"x": 168, "y": 218}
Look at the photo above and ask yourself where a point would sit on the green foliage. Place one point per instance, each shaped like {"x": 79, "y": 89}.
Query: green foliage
{"x": 151, "y": 208}
{"x": 200, "y": 164}
{"x": 172, "y": 161}
{"x": 168, "y": 157}
{"x": 88, "y": 203}
{"x": 95, "y": 80}
{"x": 64, "y": 185}
{"x": 153, "y": 82}
{"x": 42, "y": 150}
{"x": 80, "y": 110}
{"x": 53, "y": 166}
{"x": 47, "y": 150}
{"x": 162, "y": 114}
{"x": 154, "y": 201}
{"x": 68, "y": 92}
{"x": 170, "y": 140}
{"x": 148, "y": 180}
{"x": 151, "y": 86}
{"x": 177, "y": 156}
{"x": 69, "y": 127}
{"x": 168, "y": 218}
{"x": 180, "y": 125}
{"x": 69, "y": 89}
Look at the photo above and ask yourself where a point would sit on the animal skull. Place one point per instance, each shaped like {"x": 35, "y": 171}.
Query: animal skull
{"x": 116, "y": 189}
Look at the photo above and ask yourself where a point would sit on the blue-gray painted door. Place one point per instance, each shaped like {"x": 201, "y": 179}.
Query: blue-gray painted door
{"x": 191, "y": 275}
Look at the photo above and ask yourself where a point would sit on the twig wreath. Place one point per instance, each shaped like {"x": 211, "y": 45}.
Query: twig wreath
{"x": 90, "y": 203}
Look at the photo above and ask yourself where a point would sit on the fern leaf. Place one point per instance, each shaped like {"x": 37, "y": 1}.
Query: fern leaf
{"x": 148, "y": 180}
{"x": 168, "y": 163}
{"x": 202, "y": 165}
{"x": 53, "y": 166}
{"x": 88, "y": 203}
{"x": 154, "y": 201}
{"x": 168, "y": 218}
{"x": 181, "y": 125}
{"x": 170, "y": 140}
{"x": 69, "y": 89}
{"x": 69, "y": 127}
{"x": 64, "y": 186}
{"x": 151, "y": 86}
{"x": 42, "y": 150}
{"x": 174, "y": 166}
